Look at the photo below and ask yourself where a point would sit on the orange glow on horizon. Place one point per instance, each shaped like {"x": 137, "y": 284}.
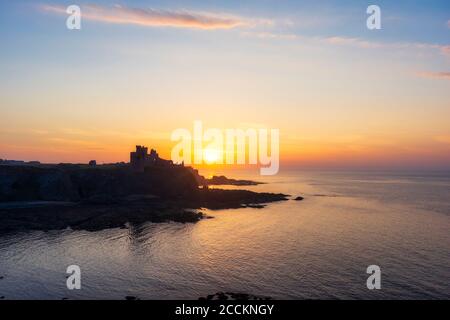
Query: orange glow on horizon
{"x": 318, "y": 153}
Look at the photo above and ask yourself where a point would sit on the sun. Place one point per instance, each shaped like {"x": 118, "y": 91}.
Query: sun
{"x": 211, "y": 155}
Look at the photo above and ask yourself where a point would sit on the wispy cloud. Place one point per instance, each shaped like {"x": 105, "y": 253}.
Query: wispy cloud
{"x": 434, "y": 75}
{"x": 356, "y": 42}
{"x": 352, "y": 42}
{"x": 445, "y": 50}
{"x": 270, "y": 35}
{"x": 361, "y": 43}
{"x": 154, "y": 17}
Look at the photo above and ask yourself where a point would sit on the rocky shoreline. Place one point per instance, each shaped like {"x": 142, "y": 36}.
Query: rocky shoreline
{"x": 83, "y": 198}
{"x": 117, "y": 213}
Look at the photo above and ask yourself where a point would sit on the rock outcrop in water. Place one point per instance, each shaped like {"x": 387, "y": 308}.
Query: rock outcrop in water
{"x": 222, "y": 180}
{"x": 233, "y": 296}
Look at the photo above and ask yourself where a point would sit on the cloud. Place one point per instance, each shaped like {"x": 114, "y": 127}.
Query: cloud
{"x": 445, "y": 50}
{"x": 118, "y": 14}
{"x": 434, "y": 75}
{"x": 270, "y": 35}
{"x": 153, "y": 17}
{"x": 353, "y": 42}
{"x": 448, "y": 24}
{"x": 360, "y": 43}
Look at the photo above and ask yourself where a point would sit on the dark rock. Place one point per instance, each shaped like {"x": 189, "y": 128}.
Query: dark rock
{"x": 101, "y": 199}
{"x": 255, "y": 206}
{"x": 222, "y": 180}
{"x": 110, "y": 196}
{"x": 234, "y": 296}
{"x": 75, "y": 182}
{"x": 299, "y": 198}
{"x": 229, "y": 199}
{"x": 221, "y": 296}
{"x": 92, "y": 217}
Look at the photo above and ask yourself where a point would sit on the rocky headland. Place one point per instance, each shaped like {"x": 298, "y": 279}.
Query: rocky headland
{"x": 52, "y": 197}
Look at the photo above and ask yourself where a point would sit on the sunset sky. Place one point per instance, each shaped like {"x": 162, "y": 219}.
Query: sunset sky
{"x": 341, "y": 95}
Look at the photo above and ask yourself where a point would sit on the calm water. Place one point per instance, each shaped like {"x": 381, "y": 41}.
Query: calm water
{"x": 316, "y": 248}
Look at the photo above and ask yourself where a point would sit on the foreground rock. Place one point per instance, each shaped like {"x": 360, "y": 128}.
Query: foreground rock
{"x": 222, "y": 180}
{"x": 91, "y": 217}
{"x": 99, "y": 213}
{"x": 231, "y": 199}
{"x": 233, "y": 296}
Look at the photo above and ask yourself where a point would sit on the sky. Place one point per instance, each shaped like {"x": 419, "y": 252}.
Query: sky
{"x": 342, "y": 96}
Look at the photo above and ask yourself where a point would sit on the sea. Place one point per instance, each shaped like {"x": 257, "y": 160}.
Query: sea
{"x": 317, "y": 248}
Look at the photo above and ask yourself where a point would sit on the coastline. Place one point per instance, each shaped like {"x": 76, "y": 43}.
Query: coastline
{"x": 117, "y": 213}
{"x": 83, "y": 198}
